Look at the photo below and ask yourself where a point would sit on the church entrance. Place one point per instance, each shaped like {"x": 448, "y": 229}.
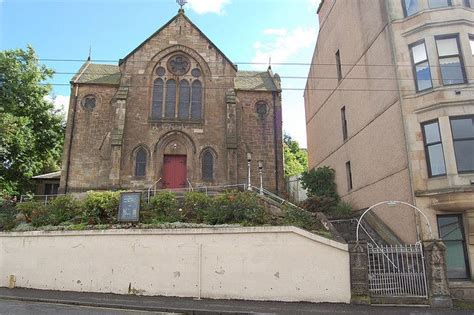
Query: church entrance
{"x": 174, "y": 173}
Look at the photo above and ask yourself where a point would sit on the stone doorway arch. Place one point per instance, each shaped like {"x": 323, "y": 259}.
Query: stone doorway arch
{"x": 174, "y": 158}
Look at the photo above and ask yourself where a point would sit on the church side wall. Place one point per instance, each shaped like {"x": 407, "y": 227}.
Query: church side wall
{"x": 261, "y": 136}
{"x": 89, "y": 163}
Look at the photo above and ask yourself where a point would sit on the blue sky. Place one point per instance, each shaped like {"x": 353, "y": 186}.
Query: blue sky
{"x": 246, "y": 31}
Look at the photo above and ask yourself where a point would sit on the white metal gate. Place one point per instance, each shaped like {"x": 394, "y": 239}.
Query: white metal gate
{"x": 397, "y": 270}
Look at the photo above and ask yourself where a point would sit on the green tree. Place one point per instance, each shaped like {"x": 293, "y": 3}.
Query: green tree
{"x": 31, "y": 131}
{"x": 296, "y": 159}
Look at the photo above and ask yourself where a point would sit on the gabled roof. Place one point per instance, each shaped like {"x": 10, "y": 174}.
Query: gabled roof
{"x": 180, "y": 12}
{"x": 91, "y": 73}
{"x": 257, "y": 81}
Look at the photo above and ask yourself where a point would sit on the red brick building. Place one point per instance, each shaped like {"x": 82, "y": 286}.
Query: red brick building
{"x": 176, "y": 109}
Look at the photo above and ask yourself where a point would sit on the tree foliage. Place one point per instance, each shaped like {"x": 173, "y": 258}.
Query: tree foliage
{"x": 31, "y": 132}
{"x": 296, "y": 159}
{"x": 320, "y": 182}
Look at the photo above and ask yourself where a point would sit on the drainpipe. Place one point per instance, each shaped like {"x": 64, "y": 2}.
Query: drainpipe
{"x": 68, "y": 164}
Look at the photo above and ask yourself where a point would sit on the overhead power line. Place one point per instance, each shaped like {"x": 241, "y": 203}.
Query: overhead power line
{"x": 254, "y": 63}
{"x": 283, "y": 89}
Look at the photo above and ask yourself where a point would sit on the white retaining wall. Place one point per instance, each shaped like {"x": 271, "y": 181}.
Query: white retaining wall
{"x": 261, "y": 263}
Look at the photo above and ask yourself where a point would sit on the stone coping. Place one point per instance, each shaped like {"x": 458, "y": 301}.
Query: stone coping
{"x": 185, "y": 231}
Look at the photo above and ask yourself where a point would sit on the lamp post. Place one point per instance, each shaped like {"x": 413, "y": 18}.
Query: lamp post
{"x": 249, "y": 160}
{"x": 260, "y": 172}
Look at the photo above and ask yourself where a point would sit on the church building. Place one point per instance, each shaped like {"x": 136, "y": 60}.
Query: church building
{"x": 175, "y": 112}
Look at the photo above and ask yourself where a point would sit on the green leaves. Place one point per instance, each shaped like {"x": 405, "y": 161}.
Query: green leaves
{"x": 296, "y": 159}
{"x": 31, "y": 133}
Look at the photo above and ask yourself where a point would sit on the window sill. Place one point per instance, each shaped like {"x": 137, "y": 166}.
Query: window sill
{"x": 176, "y": 121}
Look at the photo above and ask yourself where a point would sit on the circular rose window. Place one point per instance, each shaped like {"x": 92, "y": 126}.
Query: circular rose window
{"x": 179, "y": 65}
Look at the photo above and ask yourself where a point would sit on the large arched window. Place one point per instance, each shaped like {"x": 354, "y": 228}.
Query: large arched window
{"x": 140, "y": 163}
{"x": 170, "y": 99}
{"x": 183, "y": 108}
{"x": 157, "y": 105}
{"x": 177, "y": 90}
{"x": 196, "y": 102}
{"x": 207, "y": 166}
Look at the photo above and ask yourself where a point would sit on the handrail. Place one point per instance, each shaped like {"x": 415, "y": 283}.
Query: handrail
{"x": 154, "y": 189}
{"x": 189, "y": 184}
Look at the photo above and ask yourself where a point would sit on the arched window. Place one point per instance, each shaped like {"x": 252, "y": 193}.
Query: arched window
{"x": 170, "y": 99}
{"x": 157, "y": 105}
{"x": 196, "y": 101}
{"x": 207, "y": 165}
{"x": 140, "y": 163}
{"x": 184, "y": 96}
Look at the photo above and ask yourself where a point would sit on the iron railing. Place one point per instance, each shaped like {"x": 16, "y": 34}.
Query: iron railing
{"x": 397, "y": 271}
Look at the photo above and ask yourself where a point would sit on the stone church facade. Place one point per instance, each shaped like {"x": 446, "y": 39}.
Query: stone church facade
{"x": 175, "y": 111}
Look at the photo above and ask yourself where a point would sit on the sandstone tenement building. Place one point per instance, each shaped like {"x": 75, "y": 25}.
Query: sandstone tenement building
{"x": 175, "y": 111}
{"x": 390, "y": 106}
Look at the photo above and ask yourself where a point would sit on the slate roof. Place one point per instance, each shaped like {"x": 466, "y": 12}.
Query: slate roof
{"x": 54, "y": 175}
{"x": 92, "y": 73}
{"x": 257, "y": 81}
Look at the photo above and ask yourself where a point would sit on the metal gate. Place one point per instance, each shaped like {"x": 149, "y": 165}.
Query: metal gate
{"x": 397, "y": 270}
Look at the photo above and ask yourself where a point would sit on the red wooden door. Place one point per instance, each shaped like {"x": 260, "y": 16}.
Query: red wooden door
{"x": 174, "y": 171}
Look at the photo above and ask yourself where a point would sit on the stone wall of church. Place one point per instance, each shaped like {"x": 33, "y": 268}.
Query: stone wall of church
{"x": 175, "y": 137}
{"x": 261, "y": 134}
{"x": 89, "y": 163}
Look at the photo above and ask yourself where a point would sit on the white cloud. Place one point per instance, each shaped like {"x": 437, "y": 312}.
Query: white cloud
{"x": 61, "y": 103}
{"x": 275, "y": 31}
{"x": 282, "y": 44}
{"x": 208, "y": 6}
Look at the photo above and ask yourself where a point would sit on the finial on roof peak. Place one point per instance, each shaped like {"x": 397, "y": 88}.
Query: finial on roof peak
{"x": 181, "y": 3}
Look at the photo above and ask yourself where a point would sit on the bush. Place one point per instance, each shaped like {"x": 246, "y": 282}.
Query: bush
{"x": 101, "y": 207}
{"x": 64, "y": 208}
{"x": 235, "y": 207}
{"x": 28, "y": 207}
{"x": 320, "y": 182}
{"x": 195, "y": 205}
{"x": 166, "y": 208}
{"x": 302, "y": 219}
{"x": 7, "y": 215}
{"x": 341, "y": 210}
{"x": 41, "y": 215}
{"x": 319, "y": 204}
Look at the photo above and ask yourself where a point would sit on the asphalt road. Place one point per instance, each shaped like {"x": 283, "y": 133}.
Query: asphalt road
{"x": 12, "y": 307}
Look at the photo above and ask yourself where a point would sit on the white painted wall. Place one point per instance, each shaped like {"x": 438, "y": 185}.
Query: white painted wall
{"x": 262, "y": 263}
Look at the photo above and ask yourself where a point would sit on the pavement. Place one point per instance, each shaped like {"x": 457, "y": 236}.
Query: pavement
{"x": 191, "y": 306}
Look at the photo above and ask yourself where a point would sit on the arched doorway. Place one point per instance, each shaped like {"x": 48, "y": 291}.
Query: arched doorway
{"x": 174, "y": 160}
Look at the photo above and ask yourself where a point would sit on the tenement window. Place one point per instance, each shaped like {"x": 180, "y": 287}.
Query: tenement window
{"x": 439, "y": 3}
{"x": 433, "y": 149}
{"x": 469, "y": 3}
{"x": 450, "y": 60}
{"x": 207, "y": 166}
{"x": 451, "y": 231}
{"x": 349, "y": 175}
{"x": 140, "y": 163}
{"x": 344, "y": 123}
{"x": 177, "y": 91}
{"x": 463, "y": 138}
{"x": 338, "y": 66}
{"x": 421, "y": 66}
{"x": 410, "y": 7}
